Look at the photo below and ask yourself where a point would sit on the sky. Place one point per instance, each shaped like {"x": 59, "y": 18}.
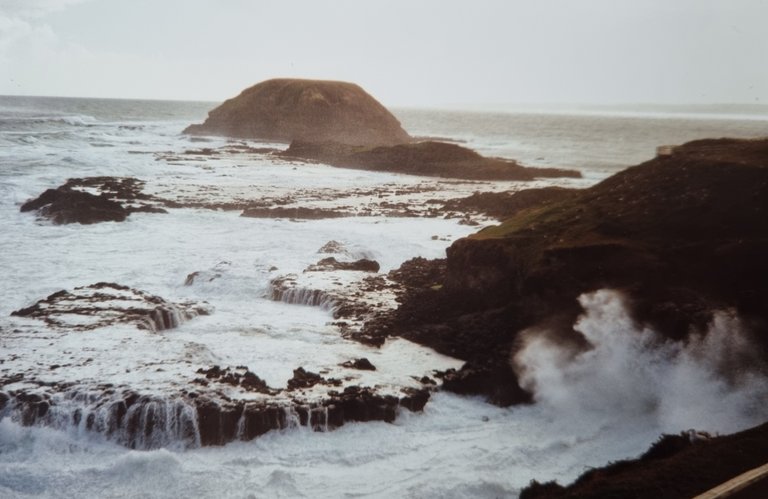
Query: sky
{"x": 424, "y": 53}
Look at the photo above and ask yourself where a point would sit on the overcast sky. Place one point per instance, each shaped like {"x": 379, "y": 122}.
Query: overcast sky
{"x": 404, "y": 52}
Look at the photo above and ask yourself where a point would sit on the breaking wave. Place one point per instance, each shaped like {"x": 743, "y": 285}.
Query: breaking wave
{"x": 712, "y": 381}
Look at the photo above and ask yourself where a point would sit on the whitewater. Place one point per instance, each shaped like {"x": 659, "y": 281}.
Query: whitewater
{"x": 586, "y": 413}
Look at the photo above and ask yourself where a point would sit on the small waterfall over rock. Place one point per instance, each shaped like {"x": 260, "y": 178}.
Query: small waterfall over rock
{"x": 146, "y": 422}
{"x": 284, "y": 289}
{"x": 103, "y": 304}
{"x": 134, "y": 421}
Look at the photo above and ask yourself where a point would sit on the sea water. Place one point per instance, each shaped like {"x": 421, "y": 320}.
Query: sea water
{"x": 587, "y": 412}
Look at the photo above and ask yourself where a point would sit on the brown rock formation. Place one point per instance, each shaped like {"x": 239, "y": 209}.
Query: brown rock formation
{"x": 682, "y": 235}
{"x": 284, "y": 110}
{"x": 428, "y": 158}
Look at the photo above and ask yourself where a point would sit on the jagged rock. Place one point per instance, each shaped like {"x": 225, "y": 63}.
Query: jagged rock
{"x": 192, "y": 419}
{"x": 70, "y": 203}
{"x": 64, "y": 206}
{"x": 503, "y": 205}
{"x": 103, "y": 303}
{"x": 239, "y": 376}
{"x": 303, "y": 379}
{"x": 283, "y": 110}
{"x": 360, "y": 364}
{"x": 330, "y": 263}
{"x": 682, "y": 235}
{"x": 332, "y": 247}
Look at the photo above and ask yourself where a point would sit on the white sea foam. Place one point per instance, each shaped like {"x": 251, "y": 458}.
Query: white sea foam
{"x": 710, "y": 382}
{"x": 458, "y": 447}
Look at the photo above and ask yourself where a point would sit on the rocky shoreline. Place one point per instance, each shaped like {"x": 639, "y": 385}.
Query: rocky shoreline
{"x": 682, "y": 236}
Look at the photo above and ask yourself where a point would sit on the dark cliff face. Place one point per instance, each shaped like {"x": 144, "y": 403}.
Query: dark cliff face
{"x": 284, "y": 110}
{"x": 682, "y": 235}
{"x": 695, "y": 222}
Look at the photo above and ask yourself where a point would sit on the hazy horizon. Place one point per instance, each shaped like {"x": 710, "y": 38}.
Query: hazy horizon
{"x": 716, "y": 108}
{"x": 430, "y": 54}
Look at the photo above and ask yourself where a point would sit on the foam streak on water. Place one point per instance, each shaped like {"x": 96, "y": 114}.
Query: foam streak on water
{"x": 459, "y": 447}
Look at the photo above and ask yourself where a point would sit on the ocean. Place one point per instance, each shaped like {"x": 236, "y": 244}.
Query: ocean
{"x": 457, "y": 447}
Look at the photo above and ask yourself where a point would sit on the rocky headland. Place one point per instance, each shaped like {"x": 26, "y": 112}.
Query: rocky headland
{"x": 682, "y": 235}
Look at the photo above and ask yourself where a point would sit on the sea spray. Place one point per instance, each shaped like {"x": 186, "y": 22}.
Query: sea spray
{"x": 709, "y": 382}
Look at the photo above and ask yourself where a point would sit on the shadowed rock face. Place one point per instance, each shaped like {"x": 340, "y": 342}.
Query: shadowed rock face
{"x": 284, "y": 110}
{"x": 70, "y": 203}
{"x": 64, "y": 206}
{"x": 682, "y": 235}
{"x": 684, "y": 468}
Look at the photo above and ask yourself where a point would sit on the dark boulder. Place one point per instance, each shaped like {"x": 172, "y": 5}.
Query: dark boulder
{"x": 362, "y": 364}
{"x": 303, "y": 379}
{"x": 330, "y": 263}
{"x": 64, "y": 206}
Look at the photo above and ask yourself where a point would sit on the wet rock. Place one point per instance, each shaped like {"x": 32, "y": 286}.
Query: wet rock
{"x": 103, "y": 304}
{"x": 303, "y": 379}
{"x": 298, "y": 213}
{"x": 362, "y": 364}
{"x": 253, "y": 383}
{"x": 330, "y": 263}
{"x": 64, "y": 206}
{"x": 74, "y": 202}
{"x": 332, "y": 247}
{"x": 498, "y": 383}
{"x": 192, "y": 418}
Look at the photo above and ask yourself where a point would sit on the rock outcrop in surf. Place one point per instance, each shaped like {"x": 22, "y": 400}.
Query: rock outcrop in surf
{"x": 427, "y": 158}
{"x": 74, "y": 201}
{"x": 339, "y": 124}
{"x": 284, "y": 110}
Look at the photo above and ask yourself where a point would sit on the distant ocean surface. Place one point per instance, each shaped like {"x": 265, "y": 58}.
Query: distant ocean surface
{"x": 459, "y": 447}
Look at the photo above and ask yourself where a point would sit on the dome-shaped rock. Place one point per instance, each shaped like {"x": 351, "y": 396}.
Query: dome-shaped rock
{"x": 310, "y": 110}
